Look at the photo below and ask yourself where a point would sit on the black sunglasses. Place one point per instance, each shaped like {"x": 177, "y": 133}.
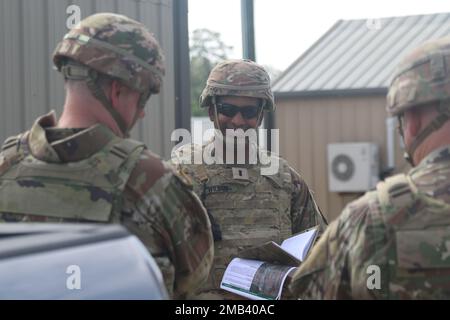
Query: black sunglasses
{"x": 230, "y": 110}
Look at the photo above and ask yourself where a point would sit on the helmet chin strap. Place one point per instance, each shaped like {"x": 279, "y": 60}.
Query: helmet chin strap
{"x": 216, "y": 116}
{"x": 77, "y": 72}
{"x": 408, "y": 158}
{"x": 260, "y": 117}
{"x": 98, "y": 93}
{"x": 436, "y": 124}
{"x": 140, "y": 106}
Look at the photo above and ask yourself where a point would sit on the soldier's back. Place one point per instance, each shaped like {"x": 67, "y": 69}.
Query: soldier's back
{"x": 59, "y": 175}
{"x": 393, "y": 243}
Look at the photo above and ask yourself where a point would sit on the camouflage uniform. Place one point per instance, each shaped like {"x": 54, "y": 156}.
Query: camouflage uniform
{"x": 50, "y": 174}
{"x": 245, "y": 212}
{"x": 394, "y": 242}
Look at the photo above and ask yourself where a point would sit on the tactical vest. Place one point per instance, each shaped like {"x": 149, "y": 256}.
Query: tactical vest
{"x": 247, "y": 210}
{"x": 417, "y": 250}
{"x": 87, "y": 190}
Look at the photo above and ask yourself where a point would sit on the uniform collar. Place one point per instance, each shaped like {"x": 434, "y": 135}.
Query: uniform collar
{"x": 438, "y": 155}
{"x": 59, "y": 145}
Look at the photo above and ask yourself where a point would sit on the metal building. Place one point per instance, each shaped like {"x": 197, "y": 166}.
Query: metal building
{"x": 335, "y": 92}
{"x": 29, "y": 87}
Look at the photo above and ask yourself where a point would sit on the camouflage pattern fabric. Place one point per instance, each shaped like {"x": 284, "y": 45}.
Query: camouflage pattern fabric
{"x": 156, "y": 204}
{"x": 117, "y": 46}
{"x": 238, "y": 78}
{"x": 247, "y": 212}
{"x": 405, "y": 234}
{"x": 423, "y": 76}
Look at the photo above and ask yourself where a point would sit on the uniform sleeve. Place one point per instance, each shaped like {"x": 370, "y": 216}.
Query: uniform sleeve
{"x": 305, "y": 213}
{"x": 181, "y": 239}
{"x": 326, "y": 273}
{"x": 182, "y": 162}
{"x": 315, "y": 278}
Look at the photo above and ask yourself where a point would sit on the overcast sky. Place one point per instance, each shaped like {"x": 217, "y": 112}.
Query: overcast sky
{"x": 284, "y": 29}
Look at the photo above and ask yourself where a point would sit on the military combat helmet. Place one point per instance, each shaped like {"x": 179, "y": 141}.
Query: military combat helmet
{"x": 422, "y": 79}
{"x": 238, "y": 78}
{"x": 116, "y": 46}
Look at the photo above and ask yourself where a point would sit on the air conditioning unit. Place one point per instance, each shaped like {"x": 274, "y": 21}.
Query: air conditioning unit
{"x": 352, "y": 167}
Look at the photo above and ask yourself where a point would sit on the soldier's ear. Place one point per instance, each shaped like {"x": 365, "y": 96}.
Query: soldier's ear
{"x": 117, "y": 92}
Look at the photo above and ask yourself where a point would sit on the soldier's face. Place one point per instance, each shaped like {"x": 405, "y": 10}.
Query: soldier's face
{"x": 236, "y": 113}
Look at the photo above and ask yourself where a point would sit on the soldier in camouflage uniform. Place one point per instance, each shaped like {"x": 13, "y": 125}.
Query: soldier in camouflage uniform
{"x": 85, "y": 169}
{"x": 246, "y": 208}
{"x": 394, "y": 242}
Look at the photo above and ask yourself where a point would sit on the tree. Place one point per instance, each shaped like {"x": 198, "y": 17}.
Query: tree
{"x": 206, "y": 50}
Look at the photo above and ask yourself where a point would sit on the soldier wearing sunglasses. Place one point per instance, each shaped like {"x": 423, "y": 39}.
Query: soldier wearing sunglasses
{"x": 246, "y": 208}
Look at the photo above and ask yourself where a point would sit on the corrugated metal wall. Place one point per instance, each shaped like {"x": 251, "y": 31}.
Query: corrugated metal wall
{"x": 29, "y": 87}
{"x": 309, "y": 124}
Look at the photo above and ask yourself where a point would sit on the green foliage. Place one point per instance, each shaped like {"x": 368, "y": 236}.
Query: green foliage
{"x": 206, "y": 49}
